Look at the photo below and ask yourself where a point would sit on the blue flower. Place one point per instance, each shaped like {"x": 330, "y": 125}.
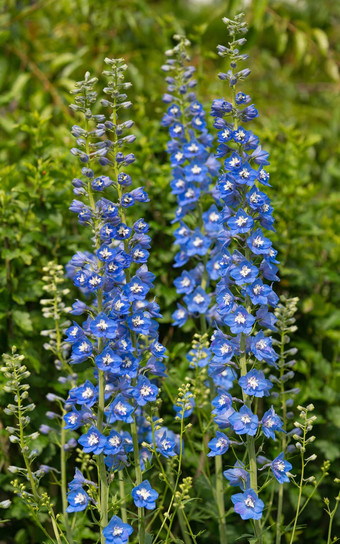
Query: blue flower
{"x": 248, "y": 505}
{"x": 81, "y": 350}
{"x": 218, "y": 445}
{"x": 84, "y": 394}
{"x": 244, "y": 421}
{"x": 180, "y": 316}
{"x": 165, "y": 446}
{"x": 114, "y": 443}
{"x": 140, "y": 322}
{"x": 280, "y": 467}
{"x": 93, "y": 441}
{"x": 117, "y": 532}
{"x": 238, "y": 476}
{"x": 144, "y": 496}
{"x": 244, "y": 273}
{"x": 79, "y": 480}
{"x": 144, "y": 391}
{"x": 271, "y": 423}
{"x": 240, "y": 321}
{"x": 73, "y": 420}
{"x": 135, "y": 289}
{"x": 198, "y": 301}
{"x": 78, "y": 500}
{"x": 120, "y": 410}
{"x": 255, "y": 384}
{"x": 258, "y": 244}
{"x": 261, "y": 347}
{"x": 185, "y": 283}
{"x": 240, "y": 223}
{"x": 108, "y": 360}
{"x": 103, "y": 327}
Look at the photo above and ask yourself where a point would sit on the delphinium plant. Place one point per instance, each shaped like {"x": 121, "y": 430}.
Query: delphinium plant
{"x": 199, "y": 236}
{"x": 244, "y": 296}
{"x": 119, "y": 338}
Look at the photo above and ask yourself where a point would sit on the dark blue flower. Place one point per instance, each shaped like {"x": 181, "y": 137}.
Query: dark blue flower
{"x": 78, "y": 500}
{"x": 218, "y": 445}
{"x": 144, "y": 496}
{"x": 240, "y": 321}
{"x": 238, "y": 476}
{"x": 93, "y": 441}
{"x": 244, "y": 421}
{"x": 280, "y": 467}
{"x": 255, "y": 384}
{"x": 103, "y": 327}
{"x": 198, "y": 301}
{"x": 271, "y": 423}
{"x": 117, "y": 532}
{"x": 248, "y": 505}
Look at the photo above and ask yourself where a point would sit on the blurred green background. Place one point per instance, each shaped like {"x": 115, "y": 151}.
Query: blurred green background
{"x": 294, "y": 57}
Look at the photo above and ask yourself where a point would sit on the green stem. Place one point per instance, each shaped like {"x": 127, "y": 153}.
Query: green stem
{"x": 220, "y": 500}
{"x": 139, "y": 479}
{"x": 300, "y": 485}
{"x": 64, "y": 481}
{"x": 122, "y": 496}
{"x": 283, "y": 439}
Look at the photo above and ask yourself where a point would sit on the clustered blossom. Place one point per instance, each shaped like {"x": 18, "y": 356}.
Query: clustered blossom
{"x": 193, "y": 169}
{"x": 244, "y": 295}
{"x": 119, "y": 334}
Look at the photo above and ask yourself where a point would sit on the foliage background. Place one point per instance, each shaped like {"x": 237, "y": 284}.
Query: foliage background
{"x": 294, "y": 56}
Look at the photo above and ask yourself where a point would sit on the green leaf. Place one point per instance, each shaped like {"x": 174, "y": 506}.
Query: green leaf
{"x": 259, "y": 9}
{"x": 22, "y": 320}
{"x": 300, "y": 44}
{"x": 332, "y": 69}
{"x": 322, "y": 40}
{"x": 330, "y": 449}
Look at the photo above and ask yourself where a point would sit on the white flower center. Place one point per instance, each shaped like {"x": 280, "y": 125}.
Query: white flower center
{"x": 228, "y": 186}
{"x": 136, "y": 288}
{"x": 107, "y": 359}
{"x": 179, "y": 156}
{"x": 234, "y": 161}
{"x": 102, "y": 325}
{"x": 245, "y": 419}
{"x": 241, "y": 221}
{"x": 198, "y": 299}
{"x": 280, "y": 466}
{"x": 249, "y": 502}
{"x": 193, "y": 148}
{"x": 213, "y": 217}
{"x": 261, "y": 344}
{"x": 258, "y": 241}
{"x": 120, "y": 408}
{"x": 226, "y": 133}
{"x": 245, "y": 271}
{"x": 84, "y": 347}
{"x": 137, "y": 321}
{"x": 240, "y": 135}
{"x": 144, "y": 493}
{"x": 93, "y": 439}
{"x": 88, "y": 393}
{"x": 196, "y": 169}
{"x": 240, "y": 318}
{"x": 95, "y": 280}
{"x": 177, "y": 129}
{"x": 79, "y": 498}
{"x": 197, "y": 242}
{"x": 253, "y": 382}
{"x": 145, "y": 390}
{"x": 244, "y": 173}
{"x": 114, "y": 441}
{"x": 105, "y": 253}
{"x": 225, "y": 349}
